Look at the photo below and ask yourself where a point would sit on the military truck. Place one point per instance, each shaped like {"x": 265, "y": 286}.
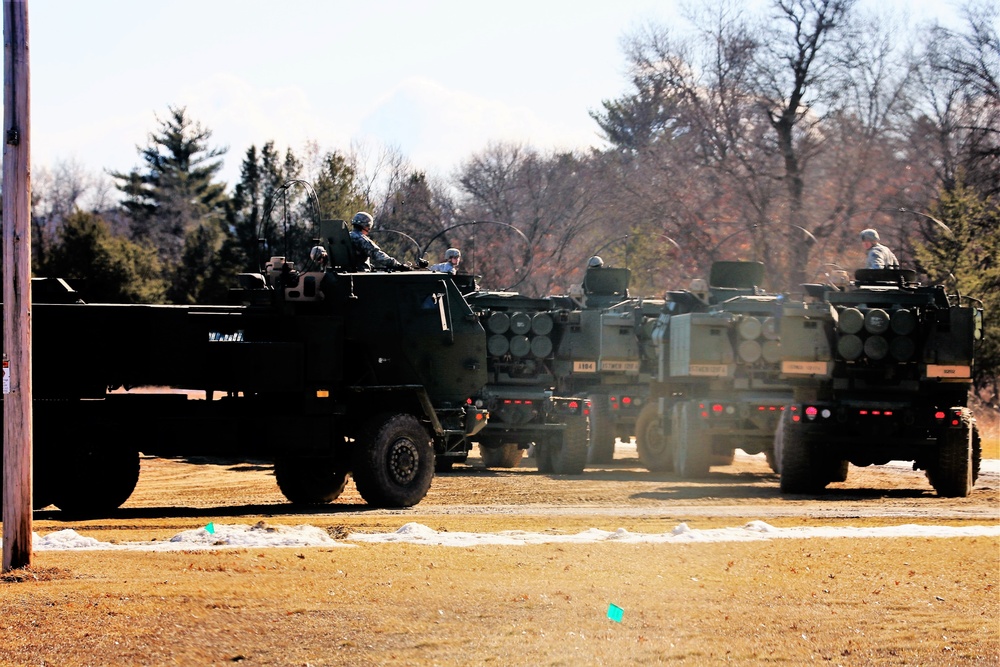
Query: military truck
{"x": 882, "y": 369}
{"x": 326, "y": 371}
{"x": 526, "y": 411}
{"x": 718, "y": 384}
{"x": 604, "y": 354}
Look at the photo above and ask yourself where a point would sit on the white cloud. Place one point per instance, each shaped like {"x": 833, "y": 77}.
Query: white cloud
{"x": 436, "y": 126}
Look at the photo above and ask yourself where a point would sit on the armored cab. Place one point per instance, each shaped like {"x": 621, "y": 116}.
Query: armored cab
{"x": 717, "y": 384}
{"x": 520, "y": 393}
{"x": 882, "y": 370}
{"x": 327, "y": 371}
{"x": 605, "y": 354}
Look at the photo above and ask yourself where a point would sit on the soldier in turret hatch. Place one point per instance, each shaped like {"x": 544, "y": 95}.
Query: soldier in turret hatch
{"x": 374, "y": 257}
{"x": 879, "y": 256}
{"x": 452, "y": 258}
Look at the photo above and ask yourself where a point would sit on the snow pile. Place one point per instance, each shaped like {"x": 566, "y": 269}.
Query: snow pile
{"x": 212, "y": 536}
{"x": 220, "y": 536}
{"x": 414, "y": 533}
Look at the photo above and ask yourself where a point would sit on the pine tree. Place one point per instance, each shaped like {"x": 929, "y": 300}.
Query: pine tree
{"x": 967, "y": 257}
{"x": 174, "y": 192}
{"x": 337, "y": 188}
{"x": 262, "y": 175}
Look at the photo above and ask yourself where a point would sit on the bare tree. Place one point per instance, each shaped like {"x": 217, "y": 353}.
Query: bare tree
{"x": 59, "y": 192}
{"x": 551, "y": 199}
{"x": 757, "y": 137}
{"x": 958, "y": 114}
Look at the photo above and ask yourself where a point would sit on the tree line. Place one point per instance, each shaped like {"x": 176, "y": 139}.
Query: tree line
{"x": 774, "y": 135}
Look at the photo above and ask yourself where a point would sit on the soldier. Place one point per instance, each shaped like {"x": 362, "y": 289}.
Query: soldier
{"x": 365, "y": 247}
{"x": 452, "y": 258}
{"x": 879, "y": 256}
{"x": 595, "y": 262}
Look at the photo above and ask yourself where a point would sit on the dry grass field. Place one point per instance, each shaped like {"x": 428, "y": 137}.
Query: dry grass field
{"x": 893, "y": 601}
{"x": 839, "y": 602}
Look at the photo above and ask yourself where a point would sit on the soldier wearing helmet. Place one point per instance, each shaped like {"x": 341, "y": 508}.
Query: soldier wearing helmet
{"x": 595, "y": 262}
{"x": 879, "y": 256}
{"x": 374, "y": 257}
{"x": 452, "y": 258}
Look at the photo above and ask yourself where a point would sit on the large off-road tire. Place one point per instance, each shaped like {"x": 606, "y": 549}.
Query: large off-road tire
{"x": 656, "y": 448}
{"x": 692, "y": 447}
{"x": 309, "y": 480}
{"x": 977, "y": 452}
{"x": 726, "y": 459}
{"x": 93, "y": 482}
{"x": 394, "y": 462}
{"x": 543, "y": 456}
{"x": 774, "y": 455}
{"x": 837, "y": 470}
{"x": 800, "y": 465}
{"x": 951, "y": 474}
{"x": 507, "y": 455}
{"x": 570, "y": 457}
{"x": 41, "y": 492}
{"x": 602, "y": 431}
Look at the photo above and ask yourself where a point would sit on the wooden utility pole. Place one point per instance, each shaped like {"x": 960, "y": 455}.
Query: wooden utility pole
{"x": 16, "y": 288}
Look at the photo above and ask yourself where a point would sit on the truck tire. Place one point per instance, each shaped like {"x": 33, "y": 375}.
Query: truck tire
{"x": 726, "y": 459}
{"x": 951, "y": 475}
{"x": 41, "y": 491}
{"x": 774, "y": 455}
{"x": 977, "y": 452}
{"x": 656, "y": 449}
{"x": 543, "y": 456}
{"x": 95, "y": 482}
{"x": 570, "y": 456}
{"x": 601, "y": 448}
{"x": 692, "y": 449}
{"x": 837, "y": 471}
{"x": 309, "y": 480}
{"x": 798, "y": 462}
{"x": 394, "y": 464}
{"x": 507, "y": 455}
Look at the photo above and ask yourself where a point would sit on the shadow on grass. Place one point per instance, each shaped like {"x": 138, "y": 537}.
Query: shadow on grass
{"x": 163, "y": 512}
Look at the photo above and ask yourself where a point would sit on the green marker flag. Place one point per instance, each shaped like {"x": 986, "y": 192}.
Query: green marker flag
{"x": 615, "y": 613}
{"x": 211, "y": 531}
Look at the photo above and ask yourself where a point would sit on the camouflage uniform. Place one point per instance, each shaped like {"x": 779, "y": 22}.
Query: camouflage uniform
{"x": 880, "y": 257}
{"x": 374, "y": 256}
{"x": 447, "y": 266}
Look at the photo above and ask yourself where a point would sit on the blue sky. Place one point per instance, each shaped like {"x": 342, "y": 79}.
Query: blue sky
{"x": 437, "y": 79}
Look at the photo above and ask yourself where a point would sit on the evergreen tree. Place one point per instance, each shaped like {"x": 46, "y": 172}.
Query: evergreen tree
{"x": 103, "y": 267}
{"x": 174, "y": 192}
{"x": 968, "y": 257}
{"x": 262, "y": 173}
{"x": 337, "y": 188}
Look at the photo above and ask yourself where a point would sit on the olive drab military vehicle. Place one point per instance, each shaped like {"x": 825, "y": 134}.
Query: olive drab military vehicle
{"x": 520, "y": 394}
{"x": 718, "y": 384}
{"x": 604, "y": 354}
{"x": 327, "y": 371}
{"x": 882, "y": 370}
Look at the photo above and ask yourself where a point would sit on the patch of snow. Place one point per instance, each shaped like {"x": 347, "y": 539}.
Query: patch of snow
{"x": 222, "y": 536}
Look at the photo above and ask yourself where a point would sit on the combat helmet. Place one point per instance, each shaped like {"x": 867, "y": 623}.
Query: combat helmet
{"x": 363, "y": 220}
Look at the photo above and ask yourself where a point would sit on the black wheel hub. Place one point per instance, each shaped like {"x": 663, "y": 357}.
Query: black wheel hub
{"x": 404, "y": 461}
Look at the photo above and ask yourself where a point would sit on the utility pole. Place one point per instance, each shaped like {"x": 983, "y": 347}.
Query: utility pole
{"x": 16, "y": 288}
